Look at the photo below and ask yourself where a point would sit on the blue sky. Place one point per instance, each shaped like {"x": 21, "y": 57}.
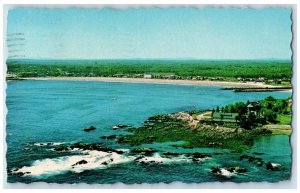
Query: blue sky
{"x": 207, "y": 33}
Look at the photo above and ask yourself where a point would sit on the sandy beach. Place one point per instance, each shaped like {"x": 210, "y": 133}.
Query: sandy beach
{"x": 156, "y": 81}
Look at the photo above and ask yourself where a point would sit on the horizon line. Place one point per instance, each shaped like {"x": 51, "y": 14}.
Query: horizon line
{"x": 209, "y": 59}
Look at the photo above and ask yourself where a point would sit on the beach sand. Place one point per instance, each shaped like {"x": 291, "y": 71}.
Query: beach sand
{"x": 157, "y": 81}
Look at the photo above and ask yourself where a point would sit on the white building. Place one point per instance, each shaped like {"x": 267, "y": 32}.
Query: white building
{"x": 148, "y": 76}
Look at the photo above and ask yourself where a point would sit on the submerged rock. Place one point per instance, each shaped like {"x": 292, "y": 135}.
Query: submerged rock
{"x": 258, "y": 161}
{"x": 109, "y": 137}
{"x": 91, "y": 128}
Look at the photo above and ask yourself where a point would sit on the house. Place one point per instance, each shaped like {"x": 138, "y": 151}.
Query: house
{"x": 224, "y": 117}
{"x": 277, "y": 81}
{"x": 147, "y": 76}
{"x": 250, "y": 106}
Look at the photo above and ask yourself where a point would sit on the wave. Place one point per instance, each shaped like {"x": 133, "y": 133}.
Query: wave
{"x": 157, "y": 158}
{"x": 75, "y": 163}
{"x": 95, "y": 156}
{"x": 48, "y": 144}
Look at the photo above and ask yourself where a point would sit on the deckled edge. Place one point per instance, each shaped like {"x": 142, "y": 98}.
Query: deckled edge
{"x": 292, "y": 183}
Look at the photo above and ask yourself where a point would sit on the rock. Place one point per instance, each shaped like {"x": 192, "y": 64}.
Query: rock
{"x": 119, "y": 127}
{"x": 170, "y": 154}
{"x": 119, "y": 151}
{"x": 138, "y": 158}
{"x": 109, "y": 137}
{"x": 244, "y": 157}
{"x": 269, "y": 166}
{"x": 272, "y": 166}
{"x": 200, "y": 155}
{"x": 237, "y": 169}
{"x": 91, "y": 128}
{"x": 260, "y": 163}
{"x": 80, "y": 162}
{"x": 104, "y": 163}
{"x": 200, "y": 117}
{"x": 62, "y": 148}
{"x": 22, "y": 173}
{"x": 122, "y": 126}
{"x": 215, "y": 170}
{"x": 145, "y": 151}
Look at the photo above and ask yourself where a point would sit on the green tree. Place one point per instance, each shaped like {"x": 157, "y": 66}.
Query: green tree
{"x": 270, "y": 115}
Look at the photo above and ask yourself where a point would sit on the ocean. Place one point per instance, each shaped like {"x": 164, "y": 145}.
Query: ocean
{"x": 43, "y": 114}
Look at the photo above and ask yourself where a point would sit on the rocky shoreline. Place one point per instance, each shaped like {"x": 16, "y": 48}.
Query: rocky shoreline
{"x": 97, "y": 155}
{"x": 182, "y": 127}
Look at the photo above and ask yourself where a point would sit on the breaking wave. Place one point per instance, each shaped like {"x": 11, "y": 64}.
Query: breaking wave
{"x": 96, "y": 157}
{"x": 75, "y": 163}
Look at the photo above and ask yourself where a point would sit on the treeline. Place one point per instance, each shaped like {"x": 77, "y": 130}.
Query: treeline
{"x": 189, "y": 68}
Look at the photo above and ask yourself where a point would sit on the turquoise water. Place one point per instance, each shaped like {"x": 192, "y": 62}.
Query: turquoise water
{"x": 57, "y": 111}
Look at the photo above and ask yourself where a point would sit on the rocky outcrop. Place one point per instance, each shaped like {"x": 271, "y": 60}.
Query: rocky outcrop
{"x": 80, "y": 163}
{"x": 144, "y": 151}
{"x": 237, "y": 169}
{"x": 215, "y": 170}
{"x": 256, "y": 160}
{"x": 272, "y": 166}
{"x": 84, "y": 146}
{"x": 185, "y": 117}
{"x": 119, "y": 127}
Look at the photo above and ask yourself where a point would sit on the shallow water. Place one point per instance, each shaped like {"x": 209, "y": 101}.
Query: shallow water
{"x": 57, "y": 111}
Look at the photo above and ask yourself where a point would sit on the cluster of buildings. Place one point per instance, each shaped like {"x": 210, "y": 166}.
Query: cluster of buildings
{"x": 264, "y": 80}
{"x": 261, "y": 80}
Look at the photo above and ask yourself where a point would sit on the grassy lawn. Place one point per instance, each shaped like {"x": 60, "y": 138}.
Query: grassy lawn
{"x": 284, "y": 119}
{"x": 281, "y": 132}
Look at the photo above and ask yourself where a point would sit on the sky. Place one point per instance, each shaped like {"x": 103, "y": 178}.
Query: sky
{"x": 149, "y": 33}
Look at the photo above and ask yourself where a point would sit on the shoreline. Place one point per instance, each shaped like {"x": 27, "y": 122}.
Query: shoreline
{"x": 155, "y": 81}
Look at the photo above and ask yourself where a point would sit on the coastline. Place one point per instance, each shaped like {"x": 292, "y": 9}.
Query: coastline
{"x": 155, "y": 81}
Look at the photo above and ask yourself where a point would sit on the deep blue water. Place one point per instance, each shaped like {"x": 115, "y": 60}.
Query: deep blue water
{"x": 57, "y": 111}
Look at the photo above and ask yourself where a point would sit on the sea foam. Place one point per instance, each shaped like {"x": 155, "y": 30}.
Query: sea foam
{"x": 93, "y": 160}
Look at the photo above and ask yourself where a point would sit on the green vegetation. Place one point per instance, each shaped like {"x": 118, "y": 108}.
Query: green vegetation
{"x": 236, "y": 136}
{"x": 284, "y": 119}
{"x": 281, "y": 132}
{"x": 167, "y": 129}
{"x": 173, "y": 69}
